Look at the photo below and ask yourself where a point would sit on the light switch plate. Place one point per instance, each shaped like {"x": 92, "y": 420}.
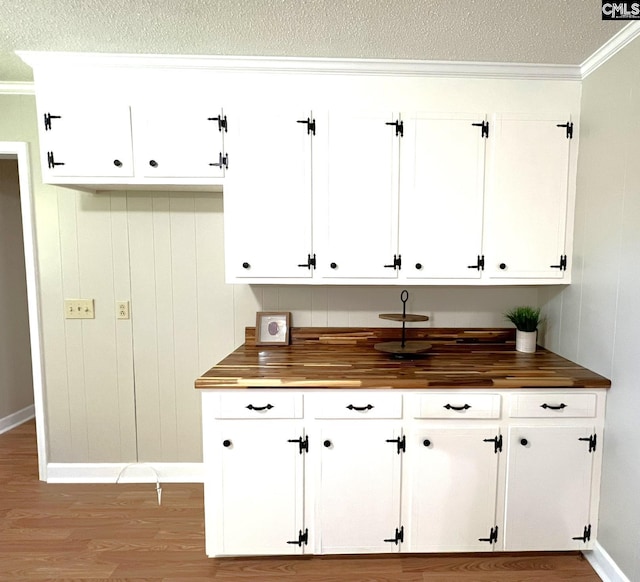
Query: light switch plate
{"x": 79, "y": 309}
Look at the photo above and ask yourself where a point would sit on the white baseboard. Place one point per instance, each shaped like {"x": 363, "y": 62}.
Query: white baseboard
{"x": 17, "y": 418}
{"x": 604, "y": 565}
{"x": 129, "y": 472}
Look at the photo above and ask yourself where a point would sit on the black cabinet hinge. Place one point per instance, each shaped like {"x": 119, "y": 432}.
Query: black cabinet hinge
{"x": 311, "y": 262}
{"x": 223, "y": 161}
{"x": 399, "y": 125}
{"x": 398, "y": 538}
{"x": 586, "y": 536}
{"x": 484, "y": 132}
{"x": 569, "y": 127}
{"x": 479, "y": 264}
{"x": 563, "y": 263}
{"x": 51, "y": 163}
{"x": 592, "y": 440}
{"x": 222, "y": 122}
{"x": 493, "y": 536}
{"x": 303, "y": 538}
{"x": 303, "y": 443}
{"x": 47, "y": 120}
{"x": 497, "y": 443}
{"x": 311, "y": 125}
{"x": 401, "y": 443}
{"x": 397, "y": 263}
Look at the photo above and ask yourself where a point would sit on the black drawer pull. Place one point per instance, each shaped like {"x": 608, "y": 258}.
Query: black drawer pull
{"x": 360, "y": 408}
{"x": 226, "y": 443}
{"x": 426, "y": 442}
{"x": 260, "y": 408}
{"x": 552, "y": 407}
{"x": 451, "y": 407}
{"x": 524, "y": 442}
{"x": 327, "y": 443}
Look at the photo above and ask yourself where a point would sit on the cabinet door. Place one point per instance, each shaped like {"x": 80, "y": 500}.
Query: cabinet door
{"x": 441, "y": 194}
{"x": 548, "y": 487}
{"x": 179, "y": 140}
{"x": 259, "y": 481}
{"x": 358, "y": 493}
{"x": 267, "y": 196}
{"x": 85, "y": 138}
{"x": 358, "y": 223}
{"x": 452, "y": 482}
{"x": 526, "y": 198}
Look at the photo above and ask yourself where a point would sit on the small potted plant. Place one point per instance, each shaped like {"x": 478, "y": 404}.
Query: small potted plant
{"x": 526, "y": 319}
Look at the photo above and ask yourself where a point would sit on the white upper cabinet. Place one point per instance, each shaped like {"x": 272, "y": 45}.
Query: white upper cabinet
{"x": 357, "y": 222}
{"x": 81, "y": 138}
{"x": 180, "y": 140}
{"x": 527, "y": 197}
{"x": 268, "y": 194}
{"x": 441, "y": 193}
{"x": 115, "y": 142}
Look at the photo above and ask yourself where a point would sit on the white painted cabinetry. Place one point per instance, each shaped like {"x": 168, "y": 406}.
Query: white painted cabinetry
{"x": 255, "y": 475}
{"x": 527, "y": 197}
{"x": 268, "y": 194}
{"x": 331, "y": 471}
{"x": 357, "y": 220}
{"x": 114, "y": 142}
{"x": 441, "y": 195}
{"x": 85, "y": 139}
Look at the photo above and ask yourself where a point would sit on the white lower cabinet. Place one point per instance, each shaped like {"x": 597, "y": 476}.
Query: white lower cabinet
{"x": 549, "y": 487}
{"x": 358, "y": 492}
{"x": 383, "y": 471}
{"x": 452, "y": 478}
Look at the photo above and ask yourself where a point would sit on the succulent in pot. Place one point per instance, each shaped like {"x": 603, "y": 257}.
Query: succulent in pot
{"x": 526, "y": 319}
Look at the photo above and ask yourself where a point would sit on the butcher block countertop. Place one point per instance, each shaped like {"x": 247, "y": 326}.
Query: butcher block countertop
{"x": 346, "y": 358}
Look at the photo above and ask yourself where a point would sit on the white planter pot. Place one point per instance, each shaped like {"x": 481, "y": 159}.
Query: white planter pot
{"x": 526, "y": 341}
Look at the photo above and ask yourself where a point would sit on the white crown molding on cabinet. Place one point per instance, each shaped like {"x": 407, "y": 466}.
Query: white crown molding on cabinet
{"x": 377, "y": 67}
{"x": 610, "y": 48}
{"x": 11, "y": 88}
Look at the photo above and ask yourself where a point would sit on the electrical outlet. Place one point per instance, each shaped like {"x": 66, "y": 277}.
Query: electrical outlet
{"x": 122, "y": 309}
{"x": 79, "y": 309}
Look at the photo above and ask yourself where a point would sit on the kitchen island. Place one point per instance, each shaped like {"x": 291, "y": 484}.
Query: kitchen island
{"x": 330, "y": 446}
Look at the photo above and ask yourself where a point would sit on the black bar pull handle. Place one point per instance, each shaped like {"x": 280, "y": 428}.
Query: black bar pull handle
{"x": 553, "y": 407}
{"x": 360, "y": 408}
{"x": 452, "y": 407}
{"x": 260, "y": 408}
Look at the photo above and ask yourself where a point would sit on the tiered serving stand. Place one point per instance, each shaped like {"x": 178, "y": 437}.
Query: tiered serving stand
{"x": 404, "y": 349}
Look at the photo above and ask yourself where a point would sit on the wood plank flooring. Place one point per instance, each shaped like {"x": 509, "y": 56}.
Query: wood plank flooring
{"x": 51, "y": 532}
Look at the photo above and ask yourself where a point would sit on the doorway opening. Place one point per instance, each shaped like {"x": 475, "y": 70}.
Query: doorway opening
{"x": 21, "y": 365}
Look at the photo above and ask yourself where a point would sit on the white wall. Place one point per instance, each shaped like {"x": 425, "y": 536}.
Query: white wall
{"x": 16, "y": 383}
{"x": 595, "y": 321}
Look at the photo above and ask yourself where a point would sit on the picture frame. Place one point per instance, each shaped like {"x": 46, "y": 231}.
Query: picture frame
{"x": 272, "y": 328}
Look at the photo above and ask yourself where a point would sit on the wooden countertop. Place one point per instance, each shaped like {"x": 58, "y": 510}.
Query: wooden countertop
{"x": 346, "y": 358}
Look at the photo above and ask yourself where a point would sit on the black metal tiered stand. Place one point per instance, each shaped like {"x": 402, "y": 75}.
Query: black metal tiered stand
{"x": 404, "y": 349}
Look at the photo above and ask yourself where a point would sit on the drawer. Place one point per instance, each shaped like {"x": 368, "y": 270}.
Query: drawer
{"x": 565, "y": 405}
{"x": 352, "y": 405}
{"x": 258, "y": 405}
{"x": 457, "y": 405}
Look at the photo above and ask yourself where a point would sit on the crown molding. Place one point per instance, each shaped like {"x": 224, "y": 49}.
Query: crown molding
{"x": 376, "y": 67}
{"x": 610, "y": 48}
{"x": 10, "y": 88}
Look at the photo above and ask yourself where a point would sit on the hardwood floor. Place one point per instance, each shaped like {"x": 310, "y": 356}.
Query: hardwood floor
{"x": 118, "y": 532}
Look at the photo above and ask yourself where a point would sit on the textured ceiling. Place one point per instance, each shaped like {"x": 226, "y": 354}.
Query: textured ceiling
{"x": 519, "y": 31}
